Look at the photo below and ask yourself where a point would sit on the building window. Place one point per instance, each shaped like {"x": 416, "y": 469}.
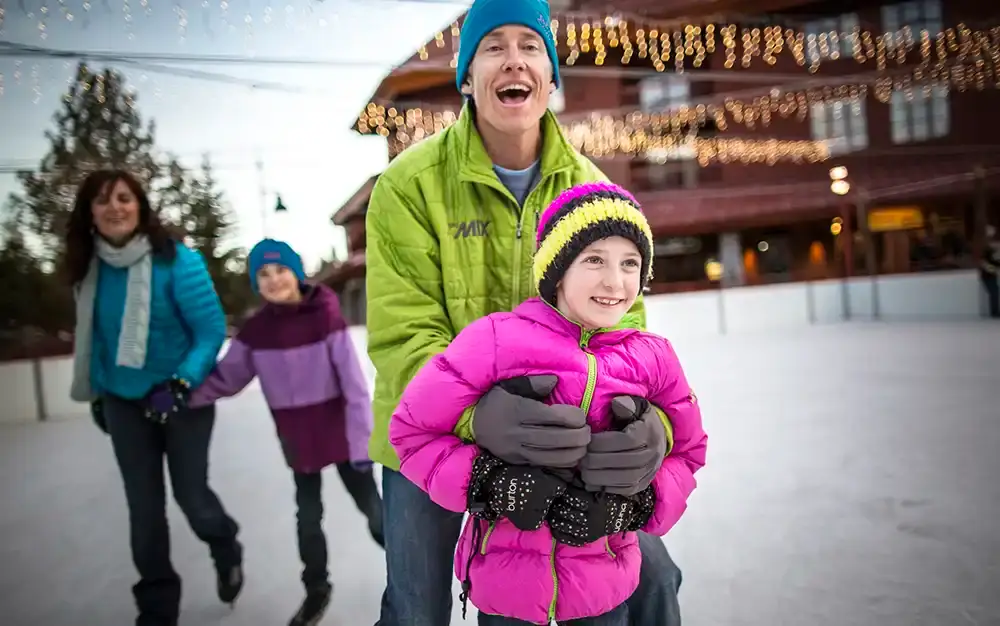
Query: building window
{"x": 677, "y": 169}
{"x": 922, "y": 116}
{"x": 682, "y": 260}
{"x": 918, "y": 15}
{"x": 681, "y": 173}
{"x": 659, "y": 93}
{"x": 830, "y": 38}
{"x": 843, "y": 124}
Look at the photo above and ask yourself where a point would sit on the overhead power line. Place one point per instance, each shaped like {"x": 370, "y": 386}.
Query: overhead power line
{"x": 141, "y": 62}
{"x": 19, "y": 50}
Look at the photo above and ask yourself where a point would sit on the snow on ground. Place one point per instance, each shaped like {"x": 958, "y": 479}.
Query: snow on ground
{"x": 852, "y": 480}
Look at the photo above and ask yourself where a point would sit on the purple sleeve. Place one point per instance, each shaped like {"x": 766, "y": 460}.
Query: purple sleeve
{"x": 229, "y": 377}
{"x": 354, "y": 386}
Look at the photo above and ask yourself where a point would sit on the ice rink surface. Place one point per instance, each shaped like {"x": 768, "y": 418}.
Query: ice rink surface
{"x": 853, "y": 480}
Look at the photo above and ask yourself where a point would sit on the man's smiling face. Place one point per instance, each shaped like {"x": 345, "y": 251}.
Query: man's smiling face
{"x": 511, "y": 79}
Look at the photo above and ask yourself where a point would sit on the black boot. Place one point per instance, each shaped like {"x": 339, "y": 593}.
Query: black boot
{"x": 229, "y": 583}
{"x": 145, "y": 620}
{"x": 313, "y": 607}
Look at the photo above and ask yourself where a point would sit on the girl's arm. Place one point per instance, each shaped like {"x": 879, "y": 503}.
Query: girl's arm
{"x": 422, "y": 428}
{"x": 675, "y": 480}
{"x": 231, "y": 375}
{"x": 354, "y": 386}
{"x": 201, "y": 310}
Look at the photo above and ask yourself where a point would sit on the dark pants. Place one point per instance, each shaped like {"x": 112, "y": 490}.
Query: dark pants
{"x": 992, "y": 292}
{"x": 420, "y": 546}
{"x": 309, "y": 499}
{"x": 140, "y": 446}
{"x": 615, "y": 617}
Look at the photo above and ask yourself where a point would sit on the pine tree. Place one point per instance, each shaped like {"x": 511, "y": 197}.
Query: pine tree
{"x": 192, "y": 201}
{"x": 234, "y": 286}
{"x": 98, "y": 126}
{"x": 31, "y": 301}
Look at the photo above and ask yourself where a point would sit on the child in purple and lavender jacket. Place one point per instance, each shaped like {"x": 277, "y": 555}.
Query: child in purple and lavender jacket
{"x": 299, "y": 347}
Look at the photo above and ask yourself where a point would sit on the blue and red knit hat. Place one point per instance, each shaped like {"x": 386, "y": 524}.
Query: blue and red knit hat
{"x": 580, "y": 216}
{"x": 273, "y": 251}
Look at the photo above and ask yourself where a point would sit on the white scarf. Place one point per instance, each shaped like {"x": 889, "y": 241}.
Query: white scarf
{"x": 136, "y": 256}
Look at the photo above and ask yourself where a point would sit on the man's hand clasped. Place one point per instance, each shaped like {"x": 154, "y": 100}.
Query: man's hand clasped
{"x": 541, "y": 463}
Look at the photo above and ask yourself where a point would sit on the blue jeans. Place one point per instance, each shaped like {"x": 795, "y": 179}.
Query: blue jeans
{"x": 420, "y": 541}
{"x": 140, "y": 446}
{"x": 617, "y": 616}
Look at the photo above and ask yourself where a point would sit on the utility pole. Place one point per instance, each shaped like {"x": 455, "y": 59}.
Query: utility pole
{"x": 263, "y": 197}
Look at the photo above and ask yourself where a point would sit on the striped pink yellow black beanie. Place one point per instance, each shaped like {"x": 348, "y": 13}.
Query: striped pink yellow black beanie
{"x": 580, "y": 216}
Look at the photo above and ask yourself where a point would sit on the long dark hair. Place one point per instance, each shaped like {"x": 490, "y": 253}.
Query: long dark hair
{"x": 80, "y": 231}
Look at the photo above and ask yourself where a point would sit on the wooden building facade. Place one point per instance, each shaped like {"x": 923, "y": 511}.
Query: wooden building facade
{"x": 753, "y": 108}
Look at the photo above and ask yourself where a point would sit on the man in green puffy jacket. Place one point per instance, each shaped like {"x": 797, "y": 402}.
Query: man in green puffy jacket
{"x": 449, "y": 240}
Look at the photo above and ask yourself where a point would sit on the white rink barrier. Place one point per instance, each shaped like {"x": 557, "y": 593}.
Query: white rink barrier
{"x": 39, "y": 390}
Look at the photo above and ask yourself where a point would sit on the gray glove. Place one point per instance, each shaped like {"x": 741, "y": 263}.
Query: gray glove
{"x": 625, "y": 461}
{"x": 513, "y": 424}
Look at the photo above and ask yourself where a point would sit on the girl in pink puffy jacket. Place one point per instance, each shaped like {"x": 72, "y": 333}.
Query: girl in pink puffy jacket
{"x": 544, "y": 544}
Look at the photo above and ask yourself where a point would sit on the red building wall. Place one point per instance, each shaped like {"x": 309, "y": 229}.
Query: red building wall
{"x": 971, "y": 113}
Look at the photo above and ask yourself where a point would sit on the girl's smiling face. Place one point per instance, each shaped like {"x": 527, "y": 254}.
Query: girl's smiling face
{"x": 602, "y": 283}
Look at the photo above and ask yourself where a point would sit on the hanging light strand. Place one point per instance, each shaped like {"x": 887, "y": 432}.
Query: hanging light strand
{"x": 616, "y": 38}
{"x": 603, "y": 136}
{"x": 639, "y": 132}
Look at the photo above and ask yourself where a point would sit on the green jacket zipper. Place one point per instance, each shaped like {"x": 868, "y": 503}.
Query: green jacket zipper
{"x": 486, "y": 539}
{"x": 519, "y": 242}
{"x": 588, "y": 397}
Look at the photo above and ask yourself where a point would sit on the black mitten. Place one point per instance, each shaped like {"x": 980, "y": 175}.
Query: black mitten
{"x": 581, "y": 517}
{"x": 97, "y": 414}
{"x": 522, "y": 494}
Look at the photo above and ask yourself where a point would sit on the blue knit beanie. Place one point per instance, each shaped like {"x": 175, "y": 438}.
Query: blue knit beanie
{"x": 272, "y": 251}
{"x": 485, "y": 16}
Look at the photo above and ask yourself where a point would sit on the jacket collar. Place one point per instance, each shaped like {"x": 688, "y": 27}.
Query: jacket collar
{"x": 544, "y": 314}
{"x": 317, "y": 300}
{"x": 475, "y": 164}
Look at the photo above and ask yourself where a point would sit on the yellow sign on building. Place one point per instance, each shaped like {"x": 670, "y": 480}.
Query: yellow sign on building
{"x": 895, "y": 218}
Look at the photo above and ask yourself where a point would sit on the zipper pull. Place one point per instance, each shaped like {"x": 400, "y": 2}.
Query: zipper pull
{"x": 518, "y": 234}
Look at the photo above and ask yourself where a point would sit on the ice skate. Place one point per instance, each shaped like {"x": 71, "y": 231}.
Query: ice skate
{"x": 313, "y": 607}
{"x": 229, "y": 584}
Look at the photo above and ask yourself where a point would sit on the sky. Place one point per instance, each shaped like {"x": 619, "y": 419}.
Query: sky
{"x": 301, "y": 133}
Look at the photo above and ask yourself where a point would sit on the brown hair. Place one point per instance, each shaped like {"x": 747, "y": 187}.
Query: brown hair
{"x": 80, "y": 231}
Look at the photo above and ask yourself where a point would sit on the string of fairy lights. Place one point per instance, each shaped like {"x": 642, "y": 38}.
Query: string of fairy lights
{"x": 604, "y": 136}
{"x": 640, "y": 133}
{"x": 643, "y": 133}
{"x": 957, "y": 57}
{"x": 692, "y": 45}
{"x": 410, "y": 124}
{"x": 593, "y": 37}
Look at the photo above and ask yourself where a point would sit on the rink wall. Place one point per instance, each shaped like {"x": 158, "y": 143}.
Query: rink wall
{"x": 39, "y": 390}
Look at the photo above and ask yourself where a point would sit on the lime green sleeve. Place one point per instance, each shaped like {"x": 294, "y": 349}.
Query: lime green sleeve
{"x": 406, "y": 317}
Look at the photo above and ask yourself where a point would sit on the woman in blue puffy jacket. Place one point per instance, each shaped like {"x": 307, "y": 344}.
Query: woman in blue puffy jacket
{"x": 149, "y": 326}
